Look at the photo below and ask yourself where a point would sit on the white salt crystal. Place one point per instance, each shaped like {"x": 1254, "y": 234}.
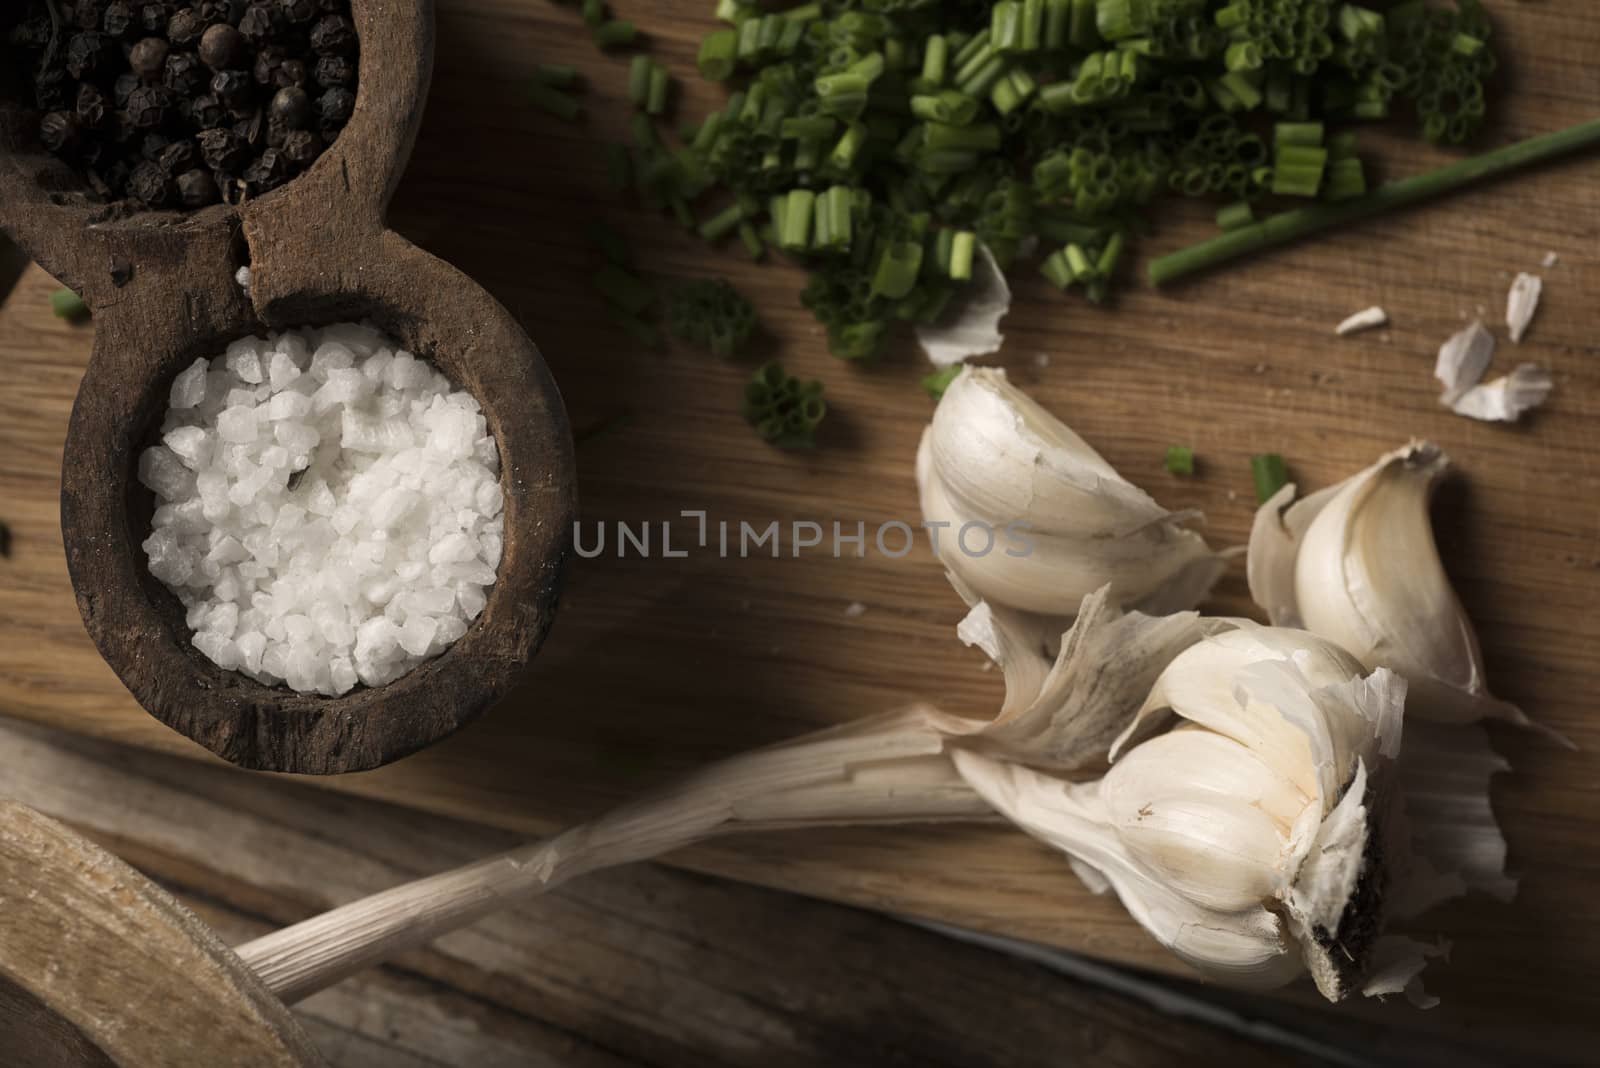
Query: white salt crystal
{"x": 330, "y": 356}
{"x": 191, "y": 444}
{"x": 237, "y": 425}
{"x": 224, "y": 619}
{"x": 219, "y": 650}
{"x": 162, "y": 471}
{"x": 282, "y": 371}
{"x": 189, "y": 388}
{"x": 417, "y": 634}
{"x": 251, "y": 645}
{"x": 453, "y": 547}
{"x": 380, "y": 554}
{"x": 243, "y": 358}
{"x": 288, "y": 406}
{"x": 472, "y": 600}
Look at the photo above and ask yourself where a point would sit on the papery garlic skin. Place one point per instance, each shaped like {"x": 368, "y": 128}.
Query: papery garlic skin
{"x": 1357, "y": 564}
{"x": 995, "y": 458}
{"x": 1247, "y": 839}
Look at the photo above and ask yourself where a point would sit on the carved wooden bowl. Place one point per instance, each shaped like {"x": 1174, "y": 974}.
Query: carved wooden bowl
{"x": 319, "y": 252}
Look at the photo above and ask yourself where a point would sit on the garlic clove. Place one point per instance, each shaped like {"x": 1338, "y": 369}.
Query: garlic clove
{"x": 1357, "y": 564}
{"x": 1034, "y": 519}
{"x": 1213, "y": 842}
{"x": 1247, "y": 949}
{"x": 975, "y": 328}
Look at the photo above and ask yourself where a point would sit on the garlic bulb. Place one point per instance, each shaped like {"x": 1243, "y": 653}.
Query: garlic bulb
{"x": 1356, "y": 563}
{"x": 1063, "y": 523}
{"x": 1247, "y": 840}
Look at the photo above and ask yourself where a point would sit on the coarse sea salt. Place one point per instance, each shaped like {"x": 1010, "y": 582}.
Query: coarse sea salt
{"x": 329, "y": 508}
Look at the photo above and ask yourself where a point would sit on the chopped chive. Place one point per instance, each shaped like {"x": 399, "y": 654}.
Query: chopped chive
{"x": 752, "y": 241}
{"x": 615, "y": 33}
{"x": 718, "y": 55}
{"x": 639, "y": 80}
{"x": 936, "y": 383}
{"x": 66, "y": 304}
{"x": 660, "y": 87}
{"x": 555, "y": 102}
{"x": 1180, "y": 460}
{"x": 1235, "y": 215}
{"x": 623, "y": 289}
{"x": 722, "y": 223}
{"x": 794, "y": 233}
{"x": 594, "y": 12}
{"x": 962, "y": 247}
{"x": 1298, "y": 133}
{"x": 1270, "y": 474}
{"x": 555, "y": 75}
{"x": 613, "y": 244}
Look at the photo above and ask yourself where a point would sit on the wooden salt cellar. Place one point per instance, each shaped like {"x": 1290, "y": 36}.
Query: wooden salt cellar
{"x": 162, "y": 289}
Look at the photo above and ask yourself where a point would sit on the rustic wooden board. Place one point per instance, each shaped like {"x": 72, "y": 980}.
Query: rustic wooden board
{"x": 657, "y": 665}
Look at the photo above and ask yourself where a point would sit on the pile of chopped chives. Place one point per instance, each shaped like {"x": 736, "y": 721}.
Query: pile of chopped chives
{"x": 879, "y": 141}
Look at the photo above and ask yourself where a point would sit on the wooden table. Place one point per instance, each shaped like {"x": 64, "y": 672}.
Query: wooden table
{"x": 658, "y": 665}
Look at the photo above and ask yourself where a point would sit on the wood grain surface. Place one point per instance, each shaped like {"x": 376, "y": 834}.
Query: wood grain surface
{"x": 658, "y": 665}
{"x": 634, "y": 967}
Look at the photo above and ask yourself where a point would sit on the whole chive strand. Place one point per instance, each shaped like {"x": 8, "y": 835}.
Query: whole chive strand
{"x": 1302, "y": 222}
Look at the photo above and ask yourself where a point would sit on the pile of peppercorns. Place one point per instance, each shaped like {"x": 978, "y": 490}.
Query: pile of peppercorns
{"x": 184, "y": 103}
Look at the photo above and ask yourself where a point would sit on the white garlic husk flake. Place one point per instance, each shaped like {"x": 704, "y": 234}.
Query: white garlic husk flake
{"x": 1066, "y": 522}
{"x": 1357, "y": 564}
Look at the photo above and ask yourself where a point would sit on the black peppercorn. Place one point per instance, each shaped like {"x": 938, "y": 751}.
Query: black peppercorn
{"x": 297, "y": 12}
{"x": 267, "y": 171}
{"x": 290, "y": 73}
{"x": 148, "y": 106}
{"x": 153, "y": 18}
{"x": 88, "y": 54}
{"x": 257, "y": 24}
{"x": 207, "y": 113}
{"x": 291, "y": 107}
{"x": 149, "y": 184}
{"x": 86, "y": 14}
{"x": 121, "y": 131}
{"x": 268, "y": 60}
{"x": 196, "y": 189}
{"x": 333, "y": 35}
{"x": 301, "y": 148}
{"x": 59, "y": 132}
{"x": 91, "y": 106}
{"x": 334, "y": 108}
{"x": 252, "y": 130}
{"x": 109, "y": 180}
{"x": 149, "y": 58}
{"x": 152, "y": 145}
{"x": 184, "y": 74}
{"x": 233, "y": 88}
{"x": 125, "y": 84}
{"x": 223, "y": 150}
{"x": 50, "y": 90}
{"x": 179, "y": 157}
{"x": 221, "y": 47}
{"x": 335, "y": 72}
{"x": 185, "y": 27}
{"x": 32, "y": 33}
{"x": 118, "y": 21}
